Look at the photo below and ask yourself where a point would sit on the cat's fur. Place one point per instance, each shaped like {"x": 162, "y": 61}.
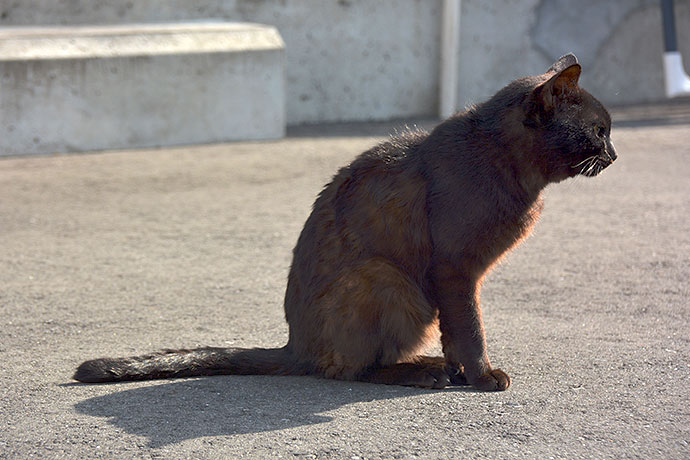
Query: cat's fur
{"x": 398, "y": 244}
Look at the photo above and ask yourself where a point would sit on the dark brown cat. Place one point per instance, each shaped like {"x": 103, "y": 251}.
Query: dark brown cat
{"x": 398, "y": 244}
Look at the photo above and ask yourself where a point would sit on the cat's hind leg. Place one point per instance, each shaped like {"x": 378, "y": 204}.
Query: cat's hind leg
{"x": 456, "y": 374}
{"x": 422, "y": 371}
{"x": 408, "y": 374}
{"x": 375, "y": 316}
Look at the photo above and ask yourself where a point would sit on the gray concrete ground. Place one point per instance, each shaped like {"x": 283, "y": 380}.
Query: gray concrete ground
{"x": 127, "y": 252}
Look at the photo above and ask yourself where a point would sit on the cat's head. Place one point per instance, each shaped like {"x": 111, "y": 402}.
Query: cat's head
{"x": 572, "y": 127}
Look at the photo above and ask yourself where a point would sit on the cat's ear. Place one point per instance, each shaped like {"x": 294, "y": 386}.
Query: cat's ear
{"x": 562, "y": 83}
{"x": 563, "y": 63}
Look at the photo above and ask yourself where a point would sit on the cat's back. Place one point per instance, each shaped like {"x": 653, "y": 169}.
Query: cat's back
{"x": 374, "y": 207}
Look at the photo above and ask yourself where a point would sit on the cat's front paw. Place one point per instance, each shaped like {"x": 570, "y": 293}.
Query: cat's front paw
{"x": 456, "y": 375}
{"x": 494, "y": 380}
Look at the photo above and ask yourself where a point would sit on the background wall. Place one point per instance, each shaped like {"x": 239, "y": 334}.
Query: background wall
{"x": 618, "y": 42}
{"x": 379, "y": 59}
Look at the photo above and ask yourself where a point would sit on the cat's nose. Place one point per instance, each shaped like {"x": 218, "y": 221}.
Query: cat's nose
{"x": 611, "y": 151}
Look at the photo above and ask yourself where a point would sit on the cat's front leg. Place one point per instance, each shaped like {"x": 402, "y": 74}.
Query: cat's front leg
{"x": 462, "y": 333}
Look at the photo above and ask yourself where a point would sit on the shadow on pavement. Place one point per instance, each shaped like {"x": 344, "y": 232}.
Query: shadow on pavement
{"x": 175, "y": 411}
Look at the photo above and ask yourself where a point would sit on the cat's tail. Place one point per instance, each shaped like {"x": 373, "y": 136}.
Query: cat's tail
{"x": 189, "y": 363}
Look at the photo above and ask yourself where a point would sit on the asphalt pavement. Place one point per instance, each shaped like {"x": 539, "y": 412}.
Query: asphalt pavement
{"x": 121, "y": 253}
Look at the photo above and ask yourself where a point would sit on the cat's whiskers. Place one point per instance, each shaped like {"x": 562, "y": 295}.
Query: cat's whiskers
{"x": 586, "y": 166}
{"x": 591, "y": 167}
{"x": 595, "y": 167}
{"x": 583, "y": 161}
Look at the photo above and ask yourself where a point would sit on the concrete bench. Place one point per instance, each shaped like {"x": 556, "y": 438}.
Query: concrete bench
{"x": 69, "y": 89}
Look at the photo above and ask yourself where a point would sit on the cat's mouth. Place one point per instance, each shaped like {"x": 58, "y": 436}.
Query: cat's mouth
{"x": 591, "y": 166}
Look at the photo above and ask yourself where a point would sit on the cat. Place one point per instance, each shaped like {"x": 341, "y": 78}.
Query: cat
{"x": 399, "y": 242}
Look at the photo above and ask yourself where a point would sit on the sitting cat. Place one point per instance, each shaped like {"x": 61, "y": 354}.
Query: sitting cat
{"x": 399, "y": 242}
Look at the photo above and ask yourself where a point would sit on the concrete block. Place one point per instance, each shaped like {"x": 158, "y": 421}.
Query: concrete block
{"x": 346, "y": 60}
{"x": 68, "y": 89}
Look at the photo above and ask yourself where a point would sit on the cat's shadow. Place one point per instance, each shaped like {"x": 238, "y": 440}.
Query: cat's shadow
{"x": 171, "y": 412}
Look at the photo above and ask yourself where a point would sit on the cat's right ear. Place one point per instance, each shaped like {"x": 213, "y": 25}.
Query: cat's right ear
{"x": 563, "y": 63}
{"x": 560, "y": 87}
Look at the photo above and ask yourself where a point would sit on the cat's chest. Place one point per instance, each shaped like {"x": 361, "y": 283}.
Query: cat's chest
{"x": 520, "y": 224}
{"x": 481, "y": 230}
{"x": 506, "y": 231}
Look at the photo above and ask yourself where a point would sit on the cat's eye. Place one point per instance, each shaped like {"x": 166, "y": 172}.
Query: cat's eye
{"x": 599, "y": 131}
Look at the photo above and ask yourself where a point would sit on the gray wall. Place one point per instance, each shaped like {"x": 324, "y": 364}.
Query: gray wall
{"x": 379, "y": 59}
{"x": 618, "y": 42}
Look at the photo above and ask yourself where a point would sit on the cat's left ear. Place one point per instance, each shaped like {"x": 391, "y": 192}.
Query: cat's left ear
{"x": 561, "y": 85}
